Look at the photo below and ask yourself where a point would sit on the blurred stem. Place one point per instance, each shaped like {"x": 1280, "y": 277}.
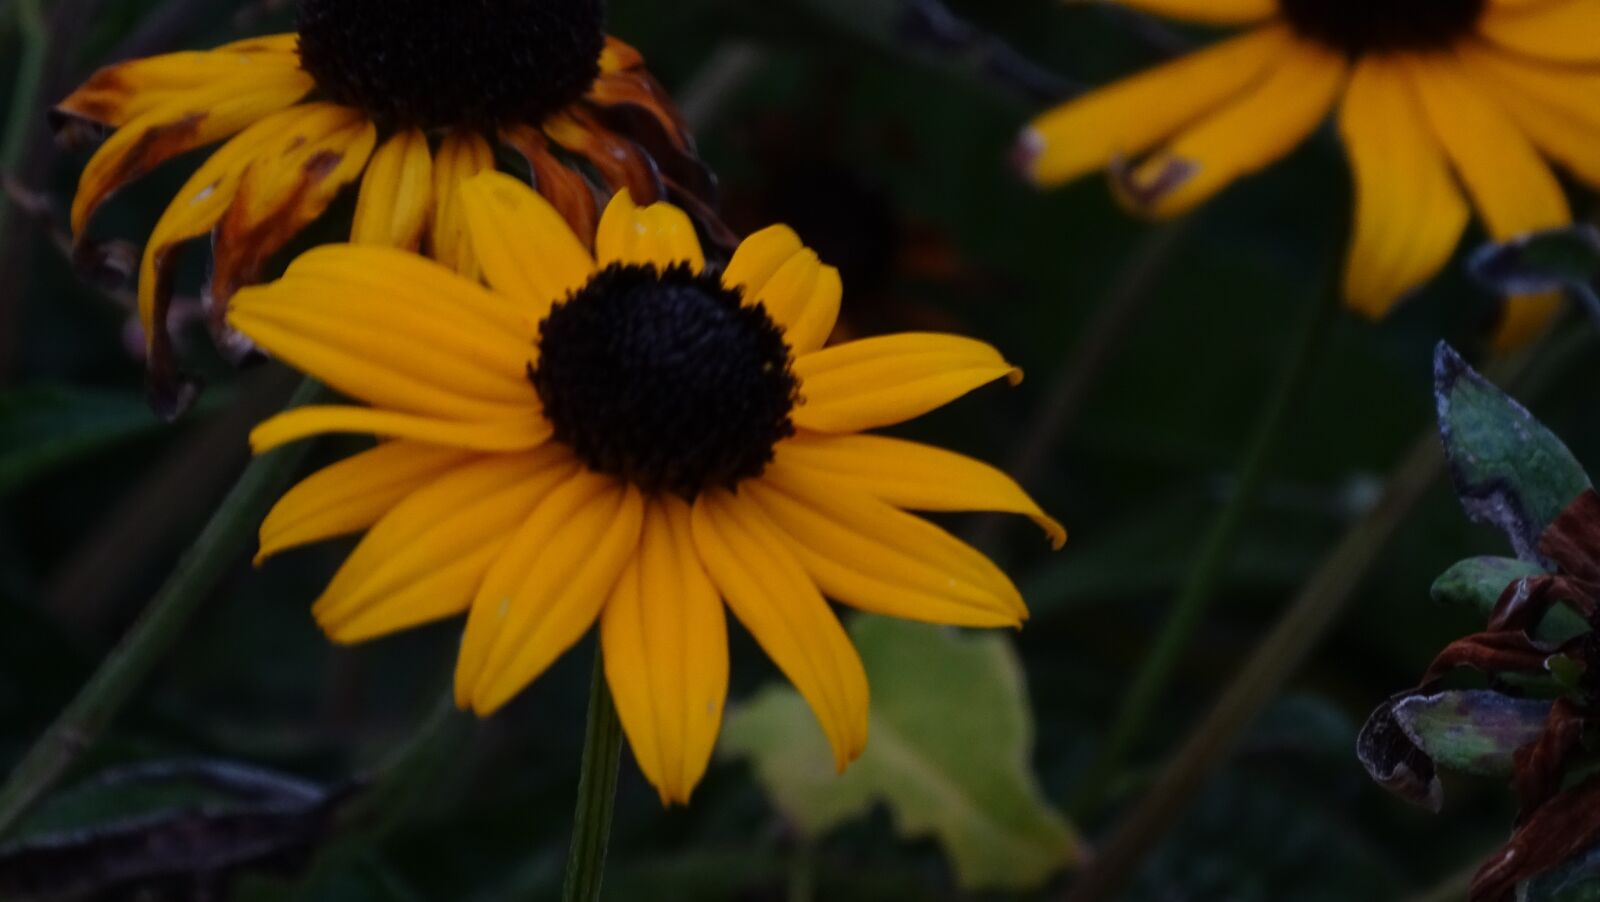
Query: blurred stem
{"x": 33, "y": 41}
{"x": 1200, "y": 587}
{"x": 597, "y": 790}
{"x": 803, "y": 872}
{"x": 231, "y": 530}
{"x": 1307, "y": 619}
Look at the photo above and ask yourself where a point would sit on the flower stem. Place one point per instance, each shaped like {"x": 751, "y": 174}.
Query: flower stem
{"x": 119, "y": 676}
{"x": 597, "y": 790}
{"x": 1200, "y": 587}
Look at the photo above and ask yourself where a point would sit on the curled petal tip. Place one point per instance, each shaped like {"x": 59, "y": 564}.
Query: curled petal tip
{"x": 1014, "y": 376}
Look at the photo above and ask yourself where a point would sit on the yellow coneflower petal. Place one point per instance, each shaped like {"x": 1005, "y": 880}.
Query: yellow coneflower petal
{"x": 528, "y": 431}
{"x": 425, "y": 558}
{"x": 1513, "y": 189}
{"x": 1244, "y": 136}
{"x": 462, "y": 155}
{"x": 1209, "y": 12}
{"x": 1553, "y": 105}
{"x": 771, "y": 594}
{"x": 618, "y": 56}
{"x": 353, "y": 494}
{"x": 565, "y": 188}
{"x": 505, "y": 218}
{"x": 880, "y": 559}
{"x": 120, "y": 93}
{"x": 665, "y": 639}
{"x": 803, "y": 297}
{"x": 1561, "y": 30}
{"x": 659, "y": 235}
{"x": 547, "y": 587}
{"x": 759, "y": 257}
{"x": 283, "y": 191}
{"x": 181, "y": 124}
{"x": 396, "y": 196}
{"x": 1409, "y": 213}
{"x": 358, "y": 339}
{"x": 915, "y": 476}
{"x": 1091, "y": 131}
{"x": 886, "y": 380}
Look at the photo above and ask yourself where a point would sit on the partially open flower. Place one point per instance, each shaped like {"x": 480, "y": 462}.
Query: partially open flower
{"x": 410, "y": 97}
{"x": 633, "y": 438}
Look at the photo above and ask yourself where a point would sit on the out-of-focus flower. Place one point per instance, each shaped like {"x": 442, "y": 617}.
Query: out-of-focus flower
{"x": 632, "y": 437}
{"x": 1441, "y": 102}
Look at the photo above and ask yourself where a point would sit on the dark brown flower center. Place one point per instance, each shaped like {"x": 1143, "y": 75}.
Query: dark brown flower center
{"x": 1364, "y": 26}
{"x": 440, "y": 63}
{"x": 665, "y": 379}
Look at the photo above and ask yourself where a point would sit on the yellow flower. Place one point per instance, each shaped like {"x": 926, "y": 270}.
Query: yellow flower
{"x": 632, "y": 437}
{"x": 410, "y": 97}
{"x": 1438, "y": 99}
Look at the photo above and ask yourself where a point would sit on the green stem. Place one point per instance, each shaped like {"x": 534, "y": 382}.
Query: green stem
{"x": 34, "y": 43}
{"x": 1210, "y": 562}
{"x": 597, "y": 789}
{"x": 119, "y": 676}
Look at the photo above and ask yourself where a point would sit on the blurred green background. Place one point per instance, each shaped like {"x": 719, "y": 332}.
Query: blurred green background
{"x": 890, "y": 156}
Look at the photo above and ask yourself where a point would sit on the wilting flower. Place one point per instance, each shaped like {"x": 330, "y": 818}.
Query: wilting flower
{"x": 1441, "y": 101}
{"x": 634, "y": 438}
{"x": 410, "y": 97}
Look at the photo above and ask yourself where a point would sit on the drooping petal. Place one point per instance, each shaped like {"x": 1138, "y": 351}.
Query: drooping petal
{"x": 658, "y": 235}
{"x": 914, "y": 476}
{"x": 622, "y": 164}
{"x": 1209, "y": 12}
{"x": 358, "y": 337}
{"x": 1552, "y": 104}
{"x": 565, "y": 188}
{"x": 1513, "y": 189}
{"x": 281, "y": 193}
{"x": 1131, "y": 116}
{"x": 547, "y": 587}
{"x": 875, "y": 557}
{"x": 117, "y": 94}
{"x": 803, "y": 297}
{"x": 886, "y": 380}
{"x": 1257, "y": 129}
{"x": 462, "y": 155}
{"x": 524, "y": 246}
{"x": 665, "y": 642}
{"x": 396, "y": 197}
{"x": 425, "y": 558}
{"x": 771, "y": 594}
{"x": 1409, "y": 213}
{"x": 353, "y": 494}
{"x": 1559, "y": 30}
{"x": 527, "y": 431}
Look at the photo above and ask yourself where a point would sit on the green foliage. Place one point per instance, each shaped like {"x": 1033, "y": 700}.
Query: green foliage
{"x": 45, "y": 427}
{"x": 948, "y": 751}
{"x": 1554, "y": 260}
{"x": 1472, "y": 731}
{"x": 1477, "y": 584}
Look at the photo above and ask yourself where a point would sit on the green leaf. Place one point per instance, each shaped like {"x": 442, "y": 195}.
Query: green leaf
{"x": 1472, "y": 731}
{"x": 1509, "y": 470}
{"x": 1554, "y": 260}
{"x": 948, "y": 752}
{"x": 44, "y": 427}
{"x": 1479, "y": 582}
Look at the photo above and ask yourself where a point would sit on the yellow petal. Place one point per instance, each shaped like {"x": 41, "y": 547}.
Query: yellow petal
{"x": 1552, "y": 104}
{"x": 759, "y": 257}
{"x": 525, "y": 247}
{"x": 426, "y": 557}
{"x": 353, "y": 494}
{"x": 358, "y": 339}
{"x": 1257, "y": 129}
{"x": 1131, "y": 116}
{"x": 547, "y": 587}
{"x": 396, "y": 196}
{"x": 528, "y": 431}
{"x": 120, "y": 93}
{"x": 659, "y": 235}
{"x": 915, "y": 476}
{"x": 665, "y": 642}
{"x": 803, "y": 297}
{"x": 1409, "y": 213}
{"x": 1209, "y": 12}
{"x": 1513, "y": 189}
{"x": 1560, "y": 30}
{"x": 871, "y": 556}
{"x": 462, "y": 155}
{"x": 771, "y": 594}
{"x": 890, "y": 379}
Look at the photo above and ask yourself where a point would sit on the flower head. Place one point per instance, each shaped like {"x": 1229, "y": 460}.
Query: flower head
{"x": 634, "y": 437}
{"x": 1441, "y": 103}
{"x": 410, "y": 98}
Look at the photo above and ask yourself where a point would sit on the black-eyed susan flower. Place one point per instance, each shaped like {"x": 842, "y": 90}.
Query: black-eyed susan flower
{"x": 411, "y": 97}
{"x": 632, "y": 438}
{"x": 1441, "y": 102}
